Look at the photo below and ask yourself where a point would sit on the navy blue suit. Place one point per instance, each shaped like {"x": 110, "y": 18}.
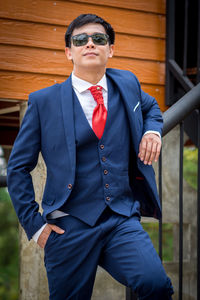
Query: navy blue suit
{"x": 49, "y": 127}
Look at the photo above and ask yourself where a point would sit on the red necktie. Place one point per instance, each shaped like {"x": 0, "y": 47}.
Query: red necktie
{"x": 100, "y": 112}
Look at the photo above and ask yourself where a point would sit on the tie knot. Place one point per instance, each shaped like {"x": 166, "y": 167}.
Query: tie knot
{"x": 96, "y": 91}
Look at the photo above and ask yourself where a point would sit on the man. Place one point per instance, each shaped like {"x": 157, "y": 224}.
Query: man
{"x": 98, "y": 134}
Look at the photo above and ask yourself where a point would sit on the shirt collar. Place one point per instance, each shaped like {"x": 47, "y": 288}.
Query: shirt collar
{"x": 81, "y": 85}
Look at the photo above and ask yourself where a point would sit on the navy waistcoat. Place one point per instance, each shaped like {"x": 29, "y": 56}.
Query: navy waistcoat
{"x": 102, "y": 166}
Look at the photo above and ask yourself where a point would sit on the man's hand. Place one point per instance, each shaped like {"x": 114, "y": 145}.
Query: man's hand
{"x": 46, "y": 232}
{"x": 149, "y": 149}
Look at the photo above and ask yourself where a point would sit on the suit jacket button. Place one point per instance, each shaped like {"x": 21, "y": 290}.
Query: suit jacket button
{"x": 107, "y": 185}
{"x": 108, "y": 198}
{"x": 105, "y": 172}
{"x": 69, "y": 186}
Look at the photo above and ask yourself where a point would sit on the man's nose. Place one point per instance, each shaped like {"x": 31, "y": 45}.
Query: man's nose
{"x": 90, "y": 43}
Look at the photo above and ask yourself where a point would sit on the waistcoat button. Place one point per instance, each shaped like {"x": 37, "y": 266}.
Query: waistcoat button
{"x": 69, "y": 186}
{"x": 105, "y": 172}
{"x": 102, "y": 146}
{"x": 107, "y": 185}
{"x": 108, "y": 198}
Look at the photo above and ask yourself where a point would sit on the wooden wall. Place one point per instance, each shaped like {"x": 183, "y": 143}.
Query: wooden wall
{"x": 32, "y": 42}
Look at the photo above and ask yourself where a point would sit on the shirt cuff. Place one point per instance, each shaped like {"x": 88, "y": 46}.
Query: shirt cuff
{"x": 153, "y": 131}
{"x": 35, "y": 237}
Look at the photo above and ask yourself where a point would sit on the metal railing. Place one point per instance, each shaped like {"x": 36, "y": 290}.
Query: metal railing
{"x": 3, "y": 181}
{"x": 175, "y": 115}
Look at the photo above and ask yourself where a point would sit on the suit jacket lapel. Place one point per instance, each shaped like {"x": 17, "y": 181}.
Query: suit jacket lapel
{"x": 68, "y": 119}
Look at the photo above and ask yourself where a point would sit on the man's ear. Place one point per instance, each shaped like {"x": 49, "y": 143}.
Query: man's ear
{"x": 111, "y": 51}
{"x": 68, "y": 53}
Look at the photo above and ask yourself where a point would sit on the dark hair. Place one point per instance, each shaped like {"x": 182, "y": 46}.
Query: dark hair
{"x": 86, "y": 19}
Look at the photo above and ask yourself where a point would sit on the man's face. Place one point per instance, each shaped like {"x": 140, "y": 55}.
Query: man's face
{"x": 89, "y": 57}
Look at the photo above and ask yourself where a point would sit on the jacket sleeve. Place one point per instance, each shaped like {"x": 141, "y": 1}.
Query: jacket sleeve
{"x": 22, "y": 161}
{"x": 152, "y": 117}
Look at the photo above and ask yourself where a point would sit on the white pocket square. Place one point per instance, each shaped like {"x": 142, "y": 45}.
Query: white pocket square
{"x": 136, "y": 106}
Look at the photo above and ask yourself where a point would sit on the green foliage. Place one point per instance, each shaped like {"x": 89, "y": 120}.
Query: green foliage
{"x": 190, "y": 166}
{"x": 9, "y": 249}
{"x": 167, "y": 232}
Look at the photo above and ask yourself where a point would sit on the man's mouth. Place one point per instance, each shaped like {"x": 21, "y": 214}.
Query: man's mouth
{"x": 90, "y": 54}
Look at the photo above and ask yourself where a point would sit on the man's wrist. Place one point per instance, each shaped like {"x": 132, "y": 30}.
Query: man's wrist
{"x": 153, "y": 131}
{"x": 35, "y": 237}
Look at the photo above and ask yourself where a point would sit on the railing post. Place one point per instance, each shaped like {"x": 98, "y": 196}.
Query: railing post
{"x": 170, "y": 49}
{"x": 160, "y": 196}
{"x": 198, "y": 44}
{"x": 3, "y": 181}
{"x": 198, "y": 209}
{"x": 181, "y": 211}
{"x": 185, "y": 47}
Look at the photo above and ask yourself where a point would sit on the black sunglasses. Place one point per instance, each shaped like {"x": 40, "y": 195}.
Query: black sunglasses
{"x": 97, "y": 38}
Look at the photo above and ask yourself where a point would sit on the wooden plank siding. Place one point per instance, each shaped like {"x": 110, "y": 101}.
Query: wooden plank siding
{"x": 156, "y": 6}
{"x": 32, "y": 42}
{"x": 18, "y": 85}
{"x": 63, "y": 12}
{"x": 51, "y": 37}
{"x": 47, "y": 61}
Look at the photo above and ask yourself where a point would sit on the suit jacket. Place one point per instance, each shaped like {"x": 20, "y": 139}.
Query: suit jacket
{"x": 48, "y": 126}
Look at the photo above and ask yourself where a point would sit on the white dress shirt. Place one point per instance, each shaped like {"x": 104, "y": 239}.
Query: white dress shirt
{"x": 88, "y": 104}
{"x": 85, "y": 97}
